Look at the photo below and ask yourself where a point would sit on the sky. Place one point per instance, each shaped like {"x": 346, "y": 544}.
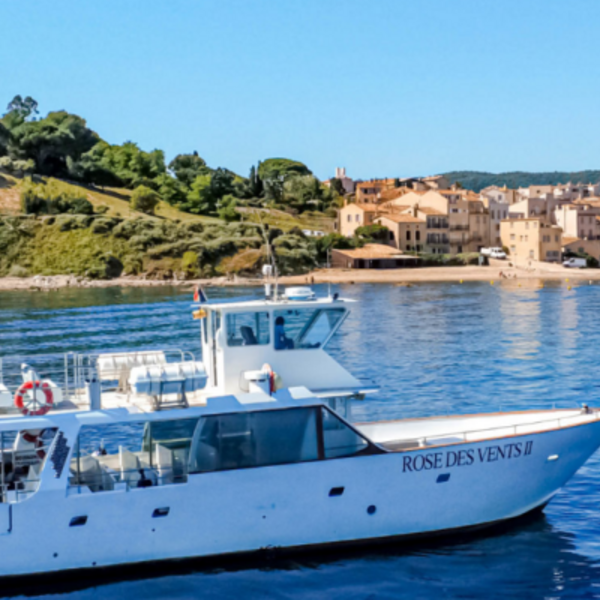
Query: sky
{"x": 381, "y": 87}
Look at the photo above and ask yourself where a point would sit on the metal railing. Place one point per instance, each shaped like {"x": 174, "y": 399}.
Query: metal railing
{"x": 513, "y": 429}
{"x": 71, "y": 373}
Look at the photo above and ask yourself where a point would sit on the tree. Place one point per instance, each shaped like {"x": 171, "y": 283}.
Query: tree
{"x": 23, "y": 107}
{"x": 372, "y": 234}
{"x": 186, "y": 167}
{"x": 226, "y": 208}
{"x": 253, "y": 187}
{"x": 207, "y": 190}
{"x": 4, "y": 138}
{"x": 120, "y": 165}
{"x": 50, "y": 141}
{"x": 331, "y": 241}
{"x": 171, "y": 190}
{"x": 144, "y": 199}
{"x": 272, "y": 168}
{"x": 337, "y": 186}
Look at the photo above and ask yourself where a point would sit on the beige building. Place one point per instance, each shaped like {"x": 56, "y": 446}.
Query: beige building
{"x": 367, "y": 192}
{"x": 407, "y": 233}
{"x": 579, "y": 220}
{"x": 356, "y": 215}
{"x": 591, "y": 247}
{"x": 503, "y": 195}
{"x": 531, "y": 239}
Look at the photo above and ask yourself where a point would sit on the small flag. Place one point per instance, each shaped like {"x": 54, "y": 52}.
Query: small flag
{"x": 199, "y": 295}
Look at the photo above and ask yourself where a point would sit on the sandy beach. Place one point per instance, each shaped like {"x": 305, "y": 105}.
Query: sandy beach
{"x": 498, "y": 271}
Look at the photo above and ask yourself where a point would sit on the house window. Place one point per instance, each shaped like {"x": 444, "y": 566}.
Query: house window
{"x": 418, "y": 235}
{"x": 512, "y": 237}
{"x": 408, "y": 235}
{"x": 526, "y": 225}
{"x": 392, "y": 238}
{"x": 349, "y": 218}
{"x": 357, "y": 218}
{"x": 531, "y": 254}
{"x": 556, "y": 238}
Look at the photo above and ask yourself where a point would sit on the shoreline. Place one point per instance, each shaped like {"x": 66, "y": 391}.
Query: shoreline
{"x": 498, "y": 271}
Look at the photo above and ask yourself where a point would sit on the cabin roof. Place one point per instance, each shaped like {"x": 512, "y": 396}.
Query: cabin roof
{"x": 251, "y": 305}
{"x": 294, "y": 397}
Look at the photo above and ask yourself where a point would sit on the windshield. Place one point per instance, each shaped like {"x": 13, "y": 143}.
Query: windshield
{"x": 297, "y": 329}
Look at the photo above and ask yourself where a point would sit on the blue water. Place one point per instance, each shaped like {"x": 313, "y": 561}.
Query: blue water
{"x": 434, "y": 348}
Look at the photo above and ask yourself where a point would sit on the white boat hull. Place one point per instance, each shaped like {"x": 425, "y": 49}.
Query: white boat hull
{"x": 290, "y": 506}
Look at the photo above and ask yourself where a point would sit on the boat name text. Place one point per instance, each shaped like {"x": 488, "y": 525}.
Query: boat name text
{"x": 465, "y": 458}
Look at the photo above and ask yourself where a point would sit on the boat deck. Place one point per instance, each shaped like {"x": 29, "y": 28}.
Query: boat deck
{"x": 409, "y": 434}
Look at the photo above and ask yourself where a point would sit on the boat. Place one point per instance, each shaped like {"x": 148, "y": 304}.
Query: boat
{"x": 122, "y": 459}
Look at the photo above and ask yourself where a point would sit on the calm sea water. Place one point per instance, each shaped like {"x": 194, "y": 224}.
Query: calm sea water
{"x": 434, "y": 348}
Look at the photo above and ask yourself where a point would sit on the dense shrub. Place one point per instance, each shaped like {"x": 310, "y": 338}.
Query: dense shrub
{"x": 52, "y": 199}
{"x": 144, "y": 199}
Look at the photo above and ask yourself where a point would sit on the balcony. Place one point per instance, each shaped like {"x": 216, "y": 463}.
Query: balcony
{"x": 437, "y": 239}
{"x": 437, "y": 225}
{"x": 459, "y": 228}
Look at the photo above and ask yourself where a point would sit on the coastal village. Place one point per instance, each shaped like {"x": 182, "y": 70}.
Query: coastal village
{"x": 428, "y": 215}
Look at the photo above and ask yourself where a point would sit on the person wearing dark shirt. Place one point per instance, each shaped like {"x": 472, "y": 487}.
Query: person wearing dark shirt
{"x": 282, "y": 342}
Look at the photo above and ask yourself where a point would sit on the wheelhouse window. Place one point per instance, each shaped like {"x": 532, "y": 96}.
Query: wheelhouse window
{"x": 248, "y": 329}
{"x": 301, "y": 329}
{"x": 255, "y": 439}
{"x": 340, "y": 440}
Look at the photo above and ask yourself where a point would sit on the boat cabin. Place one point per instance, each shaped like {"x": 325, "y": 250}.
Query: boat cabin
{"x": 100, "y": 452}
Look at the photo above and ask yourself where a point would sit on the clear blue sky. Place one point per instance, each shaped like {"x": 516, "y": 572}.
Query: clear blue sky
{"x": 383, "y": 87}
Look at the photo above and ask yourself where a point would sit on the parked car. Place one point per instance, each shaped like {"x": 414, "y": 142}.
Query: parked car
{"x": 575, "y": 263}
{"x": 493, "y": 253}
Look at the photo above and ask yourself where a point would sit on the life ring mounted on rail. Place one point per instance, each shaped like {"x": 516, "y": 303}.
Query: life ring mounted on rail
{"x": 31, "y": 403}
{"x": 37, "y": 439}
{"x": 271, "y": 374}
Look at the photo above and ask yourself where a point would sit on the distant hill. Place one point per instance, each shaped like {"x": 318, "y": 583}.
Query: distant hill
{"x": 477, "y": 180}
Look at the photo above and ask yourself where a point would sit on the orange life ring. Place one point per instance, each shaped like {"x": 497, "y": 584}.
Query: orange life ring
{"x": 37, "y": 441}
{"x": 267, "y": 368}
{"x": 28, "y": 406}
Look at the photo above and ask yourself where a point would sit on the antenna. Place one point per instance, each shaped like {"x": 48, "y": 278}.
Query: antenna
{"x": 269, "y": 269}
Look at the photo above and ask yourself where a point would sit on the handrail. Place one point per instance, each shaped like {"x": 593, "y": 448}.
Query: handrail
{"x": 514, "y": 428}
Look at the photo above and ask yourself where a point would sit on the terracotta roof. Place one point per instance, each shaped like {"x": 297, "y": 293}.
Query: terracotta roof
{"x": 366, "y": 207}
{"x": 402, "y": 218}
{"x": 569, "y": 240}
{"x": 426, "y": 210}
{"x": 393, "y": 193}
{"x": 390, "y": 207}
{"x": 373, "y": 251}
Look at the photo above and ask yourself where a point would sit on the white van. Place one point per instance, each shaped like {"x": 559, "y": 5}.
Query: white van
{"x": 575, "y": 263}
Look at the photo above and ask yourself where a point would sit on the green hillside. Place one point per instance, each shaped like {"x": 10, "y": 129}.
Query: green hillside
{"x": 477, "y": 180}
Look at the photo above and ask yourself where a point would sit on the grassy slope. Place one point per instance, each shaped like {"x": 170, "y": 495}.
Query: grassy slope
{"x": 285, "y": 221}
{"x": 117, "y": 200}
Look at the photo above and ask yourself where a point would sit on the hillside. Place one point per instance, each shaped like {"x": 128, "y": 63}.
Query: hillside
{"x": 115, "y": 199}
{"x": 115, "y": 239}
{"x": 477, "y": 180}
